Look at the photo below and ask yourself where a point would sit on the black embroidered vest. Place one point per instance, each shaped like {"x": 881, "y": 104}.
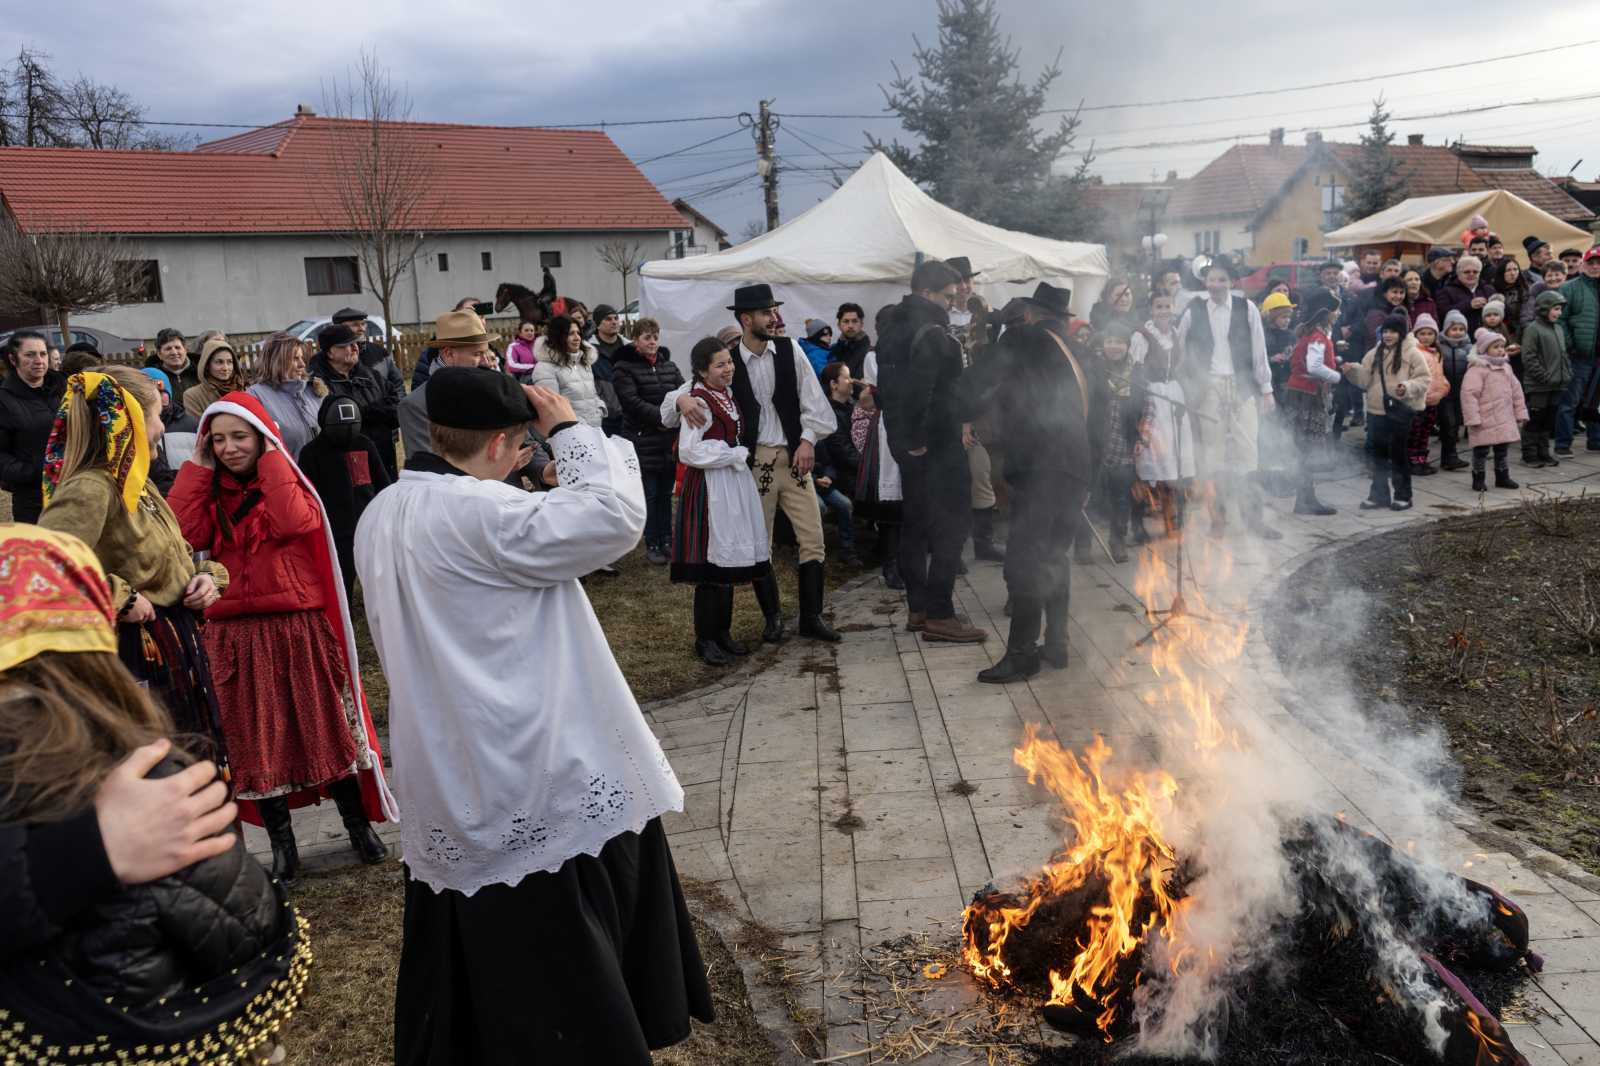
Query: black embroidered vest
{"x": 1201, "y": 342}
{"x": 785, "y": 395}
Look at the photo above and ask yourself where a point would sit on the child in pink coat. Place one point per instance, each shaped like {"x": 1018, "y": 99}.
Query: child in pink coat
{"x": 1492, "y": 408}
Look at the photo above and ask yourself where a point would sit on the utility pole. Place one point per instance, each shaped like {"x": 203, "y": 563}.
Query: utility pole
{"x": 762, "y": 128}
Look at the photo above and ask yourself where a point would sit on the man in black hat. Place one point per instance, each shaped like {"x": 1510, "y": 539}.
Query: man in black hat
{"x": 783, "y": 412}
{"x": 376, "y": 358}
{"x": 337, "y": 365}
{"x": 1227, "y": 378}
{"x": 1539, "y": 252}
{"x": 1441, "y": 268}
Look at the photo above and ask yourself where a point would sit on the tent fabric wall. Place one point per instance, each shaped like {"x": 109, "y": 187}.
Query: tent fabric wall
{"x": 860, "y": 244}
{"x": 1429, "y": 220}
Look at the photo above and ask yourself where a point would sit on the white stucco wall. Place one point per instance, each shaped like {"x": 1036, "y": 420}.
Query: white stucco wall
{"x": 255, "y": 284}
{"x": 1181, "y": 234}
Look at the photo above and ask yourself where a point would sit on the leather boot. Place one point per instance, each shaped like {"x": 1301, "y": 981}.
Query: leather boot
{"x": 285, "y": 854}
{"x": 1307, "y": 503}
{"x": 1530, "y": 453}
{"x": 1502, "y": 479}
{"x": 771, "y": 608}
{"x": 1021, "y": 660}
{"x": 1054, "y": 649}
{"x": 725, "y": 639}
{"x": 363, "y": 838}
{"x": 983, "y": 546}
{"x": 1479, "y": 483}
{"x": 707, "y": 621}
{"x": 811, "y": 623}
{"x": 1546, "y": 456}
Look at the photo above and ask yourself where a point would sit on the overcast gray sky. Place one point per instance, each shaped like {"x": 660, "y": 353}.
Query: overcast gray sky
{"x": 494, "y": 61}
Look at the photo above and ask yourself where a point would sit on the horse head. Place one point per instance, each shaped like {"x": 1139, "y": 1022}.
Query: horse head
{"x": 508, "y": 293}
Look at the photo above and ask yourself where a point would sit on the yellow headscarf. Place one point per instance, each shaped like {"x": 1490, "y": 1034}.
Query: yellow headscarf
{"x": 127, "y": 452}
{"x": 53, "y": 596}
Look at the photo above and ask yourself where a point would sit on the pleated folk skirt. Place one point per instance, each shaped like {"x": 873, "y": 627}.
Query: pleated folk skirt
{"x": 593, "y": 964}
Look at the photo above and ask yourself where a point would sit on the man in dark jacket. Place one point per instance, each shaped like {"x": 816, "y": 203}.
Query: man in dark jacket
{"x": 1441, "y": 268}
{"x": 608, "y": 341}
{"x": 1041, "y": 406}
{"x": 837, "y": 460}
{"x": 924, "y": 406}
{"x": 346, "y": 470}
{"x": 376, "y": 358}
{"x": 1581, "y": 323}
{"x": 338, "y": 366}
{"x": 644, "y": 373}
{"x": 1467, "y": 292}
{"x": 29, "y": 397}
{"x": 853, "y": 344}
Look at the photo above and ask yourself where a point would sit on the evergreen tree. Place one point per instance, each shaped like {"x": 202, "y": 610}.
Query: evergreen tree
{"x": 1377, "y": 180}
{"x": 980, "y": 149}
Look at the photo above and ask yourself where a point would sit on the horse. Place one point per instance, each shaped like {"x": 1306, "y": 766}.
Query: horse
{"x": 532, "y": 306}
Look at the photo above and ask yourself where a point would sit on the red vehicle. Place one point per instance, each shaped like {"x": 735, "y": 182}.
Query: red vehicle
{"x": 1300, "y": 274}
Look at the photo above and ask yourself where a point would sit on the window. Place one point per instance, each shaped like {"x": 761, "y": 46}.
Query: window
{"x": 1302, "y": 248}
{"x": 327, "y": 275}
{"x": 550, "y": 259}
{"x": 487, "y": 259}
{"x": 677, "y": 245}
{"x": 147, "y": 277}
{"x": 444, "y": 262}
{"x": 1207, "y": 241}
{"x": 1332, "y": 203}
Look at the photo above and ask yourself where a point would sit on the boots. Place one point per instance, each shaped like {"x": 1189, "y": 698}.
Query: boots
{"x": 1479, "y": 483}
{"x": 1054, "y": 649}
{"x": 1530, "y": 452}
{"x": 1119, "y": 547}
{"x": 1021, "y": 660}
{"x": 984, "y": 547}
{"x": 363, "y": 838}
{"x": 771, "y": 608}
{"x": 1306, "y": 501}
{"x": 889, "y": 555}
{"x": 1546, "y": 456}
{"x": 725, "y": 639}
{"x": 285, "y": 855}
{"x": 811, "y": 623}
{"x": 1502, "y": 479}
{"x": 707, "y": 621}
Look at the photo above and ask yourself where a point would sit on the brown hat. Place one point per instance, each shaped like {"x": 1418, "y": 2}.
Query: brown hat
{"x": 456, "y": 329}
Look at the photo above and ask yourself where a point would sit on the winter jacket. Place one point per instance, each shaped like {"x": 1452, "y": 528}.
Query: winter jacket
{"x": 26, "y": 417}
{"x": 376, "y": 358}
{"x": 1454, "y": 296}
{"x": 1545, "y": 365}
{"x": 641, "y": 386}
{"x": 520, "y": 359}
{"x": 1047, "y": 442}
{"x": 203, "y": 394}
{"x": 604, "y": 383}
{"x": 424, "y": 367}
{"x": 1491, "y": 403}
{"x": 1581, "y": 320}
{"x": 919, "y": 374}
{"x": 837, "y": 457}
{"x": 378, "y": 399}
{"x": 852, "y": 353}
{"x": 1516, "y": 298}
{"x": 270, "y": 554}
{"x": 1414, "y": 374}
{"x": 179, "y": 383}
{"x": 1438, "y": 384}
{"x": 293, "y": 405}
{"x": 1422, "y": 305}
{"x": 1454, "y": 355}
{"x": 574, "y": 380}
{"x": 50, "y": 874}
{"x": 815, "y": 354}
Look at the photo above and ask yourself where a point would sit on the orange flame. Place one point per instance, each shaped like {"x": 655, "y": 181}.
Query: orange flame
{"x": 1490, "y": 1047}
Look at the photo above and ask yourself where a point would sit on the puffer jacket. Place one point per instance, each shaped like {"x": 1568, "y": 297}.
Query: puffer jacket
{"x": 26, "y": 418}
{"x": 1454, "y": 355}
{"x": 1438, "y": 384}
{"x": 575, "y": 381}
{"x": 271, "y": 551}
{"x": 1414, "y": 374}
{"x": 378, "y": 398}
{"x": 147, "y": 942}
{"x": 1491, "y": 403}
{"x": 1581, "y": 320}
{"x": 641, "y": 386}
{"x": 1546, "y": 369}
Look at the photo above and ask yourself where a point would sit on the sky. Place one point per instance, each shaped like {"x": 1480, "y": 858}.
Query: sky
{"x": 499, "y": 62}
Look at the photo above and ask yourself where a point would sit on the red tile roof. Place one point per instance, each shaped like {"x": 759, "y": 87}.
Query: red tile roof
{"x": 1539, "y": 191}
{"x": 275, "y": 180}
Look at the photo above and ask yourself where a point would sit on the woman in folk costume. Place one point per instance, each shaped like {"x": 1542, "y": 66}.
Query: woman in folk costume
{"x": 1165, "y": 454}
{"x": 97, "y": 488}
{"x": 544, "y": 921}
{"x": 1313, "y": 375}
{"x": 288, "y": 682}
{"x": 722, "y": 535}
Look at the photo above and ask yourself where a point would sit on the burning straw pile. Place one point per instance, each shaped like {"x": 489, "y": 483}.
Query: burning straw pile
{"x": 1232, "y": 919}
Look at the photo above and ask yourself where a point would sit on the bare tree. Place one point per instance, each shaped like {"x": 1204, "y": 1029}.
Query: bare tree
{"x": 753, "y": 229}
{"x": 66, "y": 271}
{"x": 379, "y": 181}
{"x": 622, "y": 257}
{"x": 102, "y": 116}
{"x": 33, "y": 108}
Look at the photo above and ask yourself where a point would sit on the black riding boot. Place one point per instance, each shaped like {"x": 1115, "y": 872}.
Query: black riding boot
{"x": 811, "y": 623}
{"x": 280, "y": 830}
{"x": 771, "y": 608}
{"x": 725, "y": 639}
{"x": 707, "y": 622}
{"x": 1054, "y": 649}
{"x": 1021, "y": 660}
{"x": 363, "y": 838}
{"x": 983, "y": 543}
{"x": 1307, "y": 503}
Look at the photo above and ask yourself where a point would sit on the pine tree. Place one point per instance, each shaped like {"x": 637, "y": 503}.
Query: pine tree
{"x": 980, "y": 149}
{"x": 1377, "y": 179}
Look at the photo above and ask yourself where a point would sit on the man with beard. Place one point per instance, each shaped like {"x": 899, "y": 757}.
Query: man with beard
{"x": 1042, "y": 405}
{"x": 853, "y": 344}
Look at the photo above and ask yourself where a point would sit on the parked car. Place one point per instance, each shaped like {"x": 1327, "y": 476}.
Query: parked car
{"x": 307, "y": 329}
{"x": 107, "y": 343}
{"x": 1301, "y": 274}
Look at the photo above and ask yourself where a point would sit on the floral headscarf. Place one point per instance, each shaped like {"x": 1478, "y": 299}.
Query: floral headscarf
{"x": 127, "y": 452}
{"x": 53, "y": 596}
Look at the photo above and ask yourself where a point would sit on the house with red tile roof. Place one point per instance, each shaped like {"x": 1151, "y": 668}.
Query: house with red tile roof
{"x": 245, "y": 234}
{"x": 1271, "y": 203}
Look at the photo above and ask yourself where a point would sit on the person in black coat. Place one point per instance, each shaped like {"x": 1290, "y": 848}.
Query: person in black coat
{"x": 338, "y": 366}
{"x": 29, "y": 397}
{"x": 853, "y": 344}
{"x": 644, "y": 374}
{"x": 834, "y": 478}
{"x": 345, "y": 468}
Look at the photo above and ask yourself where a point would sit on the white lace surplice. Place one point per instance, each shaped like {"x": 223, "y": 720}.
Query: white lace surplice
{"x": 517, "y": 743}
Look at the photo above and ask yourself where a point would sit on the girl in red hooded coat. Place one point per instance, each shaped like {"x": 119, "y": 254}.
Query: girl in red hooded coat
{"x": 280, "y": 640}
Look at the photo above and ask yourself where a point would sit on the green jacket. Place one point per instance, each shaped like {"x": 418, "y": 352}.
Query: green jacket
{"x": 1581, "y": 320}
{"x": 1545, "y": 366}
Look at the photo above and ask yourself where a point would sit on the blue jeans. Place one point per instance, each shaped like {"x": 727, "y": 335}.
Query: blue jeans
{"x": 843, "y": 512}
{"x": 1582, "y": 371}
{"x": 658, "y": 509}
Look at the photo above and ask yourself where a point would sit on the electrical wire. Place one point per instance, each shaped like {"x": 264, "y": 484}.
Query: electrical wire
{"x": 698, "y": 144}
{"x": 602, "y": 124}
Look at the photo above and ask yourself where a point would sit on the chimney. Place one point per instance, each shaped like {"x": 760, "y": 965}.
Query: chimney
{"x": 1414, "y": 139}
{"x": 1172, "y": 177}
{"x": 304, "y": 111}
{"x": 1275, "y": 137}
{"x": 1313, "y": 138}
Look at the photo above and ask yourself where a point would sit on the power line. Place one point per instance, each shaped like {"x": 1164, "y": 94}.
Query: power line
{"x": 602, "y": 124}
{"x": 698, "y": 144}
{"x": 793, "y": 133}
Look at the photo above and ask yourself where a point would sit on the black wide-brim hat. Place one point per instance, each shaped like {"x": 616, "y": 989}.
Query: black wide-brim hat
{"x": 961, "y": 265}
{"x": 1055, "y": 300}
{"x": 753, "y": 298}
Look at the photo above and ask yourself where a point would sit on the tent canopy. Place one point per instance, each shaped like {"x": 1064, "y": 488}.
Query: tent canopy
{"x": 861, "y": 244}
{"x": 1431, "y": 220}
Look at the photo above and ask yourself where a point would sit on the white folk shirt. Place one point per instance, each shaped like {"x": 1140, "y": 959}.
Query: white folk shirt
{"x": 1221, "y": 317}
{"x": 509, "y": 763}
{"x": 817, "y": 419}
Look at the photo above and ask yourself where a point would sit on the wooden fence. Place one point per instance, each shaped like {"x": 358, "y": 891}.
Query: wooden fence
{"x": 406, "y": 351}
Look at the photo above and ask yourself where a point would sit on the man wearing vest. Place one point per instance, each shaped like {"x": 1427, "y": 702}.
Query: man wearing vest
{"x": 783, "y": 412}
{"x": 1224, "y": 353}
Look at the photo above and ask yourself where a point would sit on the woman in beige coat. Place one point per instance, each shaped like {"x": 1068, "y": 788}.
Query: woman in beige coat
{"x": 1396, "y": 378}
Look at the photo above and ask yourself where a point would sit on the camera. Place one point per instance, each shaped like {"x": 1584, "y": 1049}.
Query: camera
{"x": 484, "y": 308}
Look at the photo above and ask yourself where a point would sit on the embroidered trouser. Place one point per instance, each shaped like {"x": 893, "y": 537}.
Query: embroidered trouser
{"x": 781, "y": 486}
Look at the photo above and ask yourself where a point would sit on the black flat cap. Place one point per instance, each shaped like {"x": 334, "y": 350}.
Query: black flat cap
{"x": 349, "y": 314}
{"x": 469, "y": 397}
{"x": 330, "y": 335}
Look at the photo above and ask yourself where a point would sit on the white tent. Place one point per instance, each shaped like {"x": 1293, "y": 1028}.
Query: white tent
{"x": 860, "y": 244}
{"x": 1421, "y": 221}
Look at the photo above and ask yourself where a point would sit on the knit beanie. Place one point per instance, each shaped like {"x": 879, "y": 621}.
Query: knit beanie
{"x": 815, "y": 326}
{"x": 1484, "y": 338}
{"x": 1398, "y": 323}
{"x": 1497, "y": 303}
{"x": 1478, "y": 223}
{"x": 1455, "y": 318}
{"x": 1425, "y": 321}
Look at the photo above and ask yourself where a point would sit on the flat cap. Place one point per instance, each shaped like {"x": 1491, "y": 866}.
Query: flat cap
{"x": 468, "y": 397}
{"x": 337, "y": 333}
{"x": 349, "y": 314}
